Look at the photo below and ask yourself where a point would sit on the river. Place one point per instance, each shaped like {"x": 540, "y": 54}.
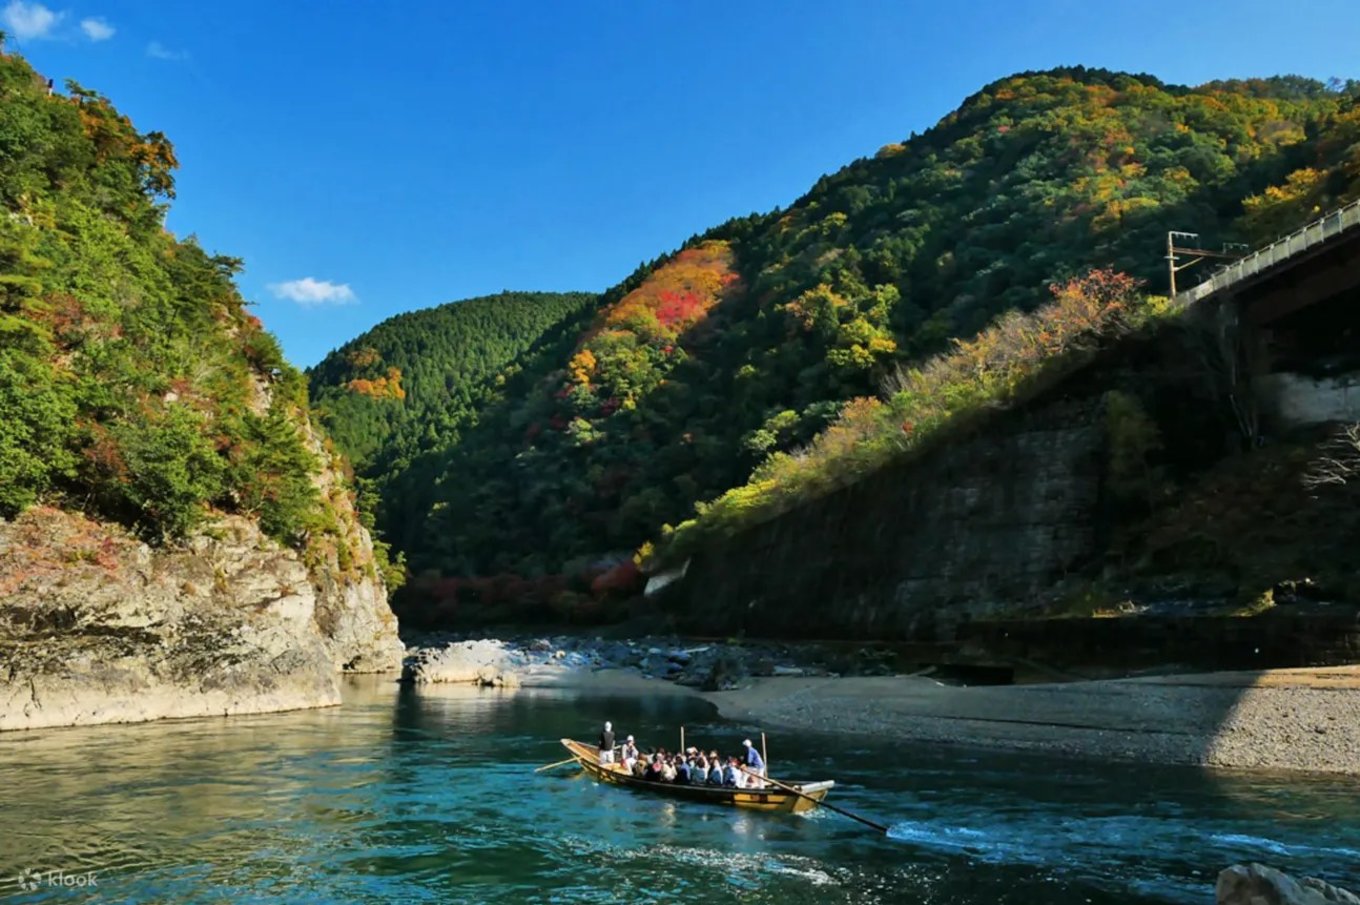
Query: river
{"x": 405, "y": 795}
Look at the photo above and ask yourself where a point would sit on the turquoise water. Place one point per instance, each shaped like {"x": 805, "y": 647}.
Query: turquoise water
{"x": 430, "y": 796}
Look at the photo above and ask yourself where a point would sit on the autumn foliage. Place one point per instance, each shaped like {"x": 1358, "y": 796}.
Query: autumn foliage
{"x": 630, "y": 347}
{"x": 388, "y": 386}
{"x": 1009, "y": 361}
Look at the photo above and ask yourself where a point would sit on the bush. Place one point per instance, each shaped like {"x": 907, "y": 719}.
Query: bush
{"x": 36, "y": 415}
{"x": 172, "y": 470}
{"x": 270, "y": 474}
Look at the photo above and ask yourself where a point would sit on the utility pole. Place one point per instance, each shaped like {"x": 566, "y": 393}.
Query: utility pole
{"x": 1191, "y": 247}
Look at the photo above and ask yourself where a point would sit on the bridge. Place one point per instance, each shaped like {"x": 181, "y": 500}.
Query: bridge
{"x": 1318, "y": 258}
{"x": 1295, "y": 300}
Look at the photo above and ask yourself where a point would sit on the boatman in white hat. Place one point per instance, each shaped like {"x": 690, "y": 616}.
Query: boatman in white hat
{"x": 607, "y": 743}
{"x": 754, "y": 762}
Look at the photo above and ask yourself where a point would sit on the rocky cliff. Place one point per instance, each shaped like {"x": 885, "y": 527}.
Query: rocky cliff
{"x": 176, "y": 537}
{"x": 98, "y": 627}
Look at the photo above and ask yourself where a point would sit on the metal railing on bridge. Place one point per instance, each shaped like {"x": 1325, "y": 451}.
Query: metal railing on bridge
{"x": 1314, "y": 234}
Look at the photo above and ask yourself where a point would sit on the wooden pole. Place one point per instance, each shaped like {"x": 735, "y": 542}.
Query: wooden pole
{"x": 560, "y": 763}
{"x": 830, "y": 807}
{"x": 682, "y": 739}
{"x": 764, "y": 755}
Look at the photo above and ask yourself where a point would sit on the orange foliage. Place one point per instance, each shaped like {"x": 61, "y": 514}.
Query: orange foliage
{"x": 388, "y": 387}
{"x": 679, "y": 293}
{"x": 115, "y": 138}
{"x": 582, "y": 366}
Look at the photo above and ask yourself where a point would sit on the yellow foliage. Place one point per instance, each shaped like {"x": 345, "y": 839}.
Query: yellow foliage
{"x": 582, "y": 366}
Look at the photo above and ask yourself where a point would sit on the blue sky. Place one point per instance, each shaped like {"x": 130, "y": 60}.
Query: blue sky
{"x": 404, "y": 154}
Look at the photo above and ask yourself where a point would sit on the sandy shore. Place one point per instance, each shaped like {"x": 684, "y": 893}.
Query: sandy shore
{"x": 1299, "y": 719}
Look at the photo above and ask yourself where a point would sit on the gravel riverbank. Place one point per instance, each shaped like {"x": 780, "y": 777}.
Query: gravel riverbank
{"x": 1305, "y": 719}
{"x": 1296, "y": 719}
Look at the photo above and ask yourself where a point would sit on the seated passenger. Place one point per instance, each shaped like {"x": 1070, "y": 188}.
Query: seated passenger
{"x": 640, "y": 768}
{"x": 654, "y": 769}
{"x": 715, "y": 773}
{"x": 698, "y": 771}
{"x": 682, "y": 772}
{"x": 629, "y": 754}
{"x": 730, "y": 773}
{"x": 667, "y": 771}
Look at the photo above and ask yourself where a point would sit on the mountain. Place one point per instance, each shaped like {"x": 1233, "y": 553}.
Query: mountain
{"x": 408, "y": 387}
{"x": 752, "y": 339}
{"x": 177, "y": 535}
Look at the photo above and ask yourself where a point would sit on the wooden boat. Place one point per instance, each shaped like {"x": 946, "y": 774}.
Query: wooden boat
{"x": 769, "y": 798}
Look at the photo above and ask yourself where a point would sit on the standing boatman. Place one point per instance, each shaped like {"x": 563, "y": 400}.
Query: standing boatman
{"x": 754, "y": 762}
{"x": 607, "y": 743}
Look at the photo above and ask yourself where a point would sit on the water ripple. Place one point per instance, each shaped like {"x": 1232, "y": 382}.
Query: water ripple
{"x": 404, "y": 796}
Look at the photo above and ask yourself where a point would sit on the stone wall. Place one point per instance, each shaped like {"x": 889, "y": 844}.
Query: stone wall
{"x": 965, "y": 531}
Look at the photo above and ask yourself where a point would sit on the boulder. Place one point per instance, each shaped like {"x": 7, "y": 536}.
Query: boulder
{"x": 1256, "y": 884}
{"x": 658, "y": 664}
{"x": 483, "y": 662}
{"x": 727, "y": 669}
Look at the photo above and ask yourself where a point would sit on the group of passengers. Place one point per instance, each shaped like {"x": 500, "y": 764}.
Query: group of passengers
{"x": 689, "y": 767}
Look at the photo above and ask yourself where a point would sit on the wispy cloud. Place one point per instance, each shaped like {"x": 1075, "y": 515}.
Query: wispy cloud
{"x": 29, "y": 21}
{"x": 311, "y": 293}
{"x": 97, "y": 29}
{"x": 158, "y": 51}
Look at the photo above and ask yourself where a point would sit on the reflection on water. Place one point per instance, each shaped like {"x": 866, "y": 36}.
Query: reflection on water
{"x": 412, "y": 796}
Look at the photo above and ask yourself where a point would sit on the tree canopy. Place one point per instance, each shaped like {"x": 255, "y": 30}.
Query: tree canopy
{"x": 134, "y": 382}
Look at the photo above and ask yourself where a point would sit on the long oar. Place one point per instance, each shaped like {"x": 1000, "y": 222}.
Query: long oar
{"x": 831, "y": 807}
{"x": 560, "y": 763}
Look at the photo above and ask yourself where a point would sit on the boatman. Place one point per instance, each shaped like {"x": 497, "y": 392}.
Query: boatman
{"x": 607, "y": 743}
{"x": 754, "y": 762}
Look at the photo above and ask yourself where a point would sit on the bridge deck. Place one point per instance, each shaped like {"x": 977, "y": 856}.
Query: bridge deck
{"x": 1315, "y": 235}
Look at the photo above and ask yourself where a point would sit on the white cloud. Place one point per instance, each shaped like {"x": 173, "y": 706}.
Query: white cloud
{"x": 310, "y": 293}
{"x": 159, "y": 51}
{"x": 28, "y": 21}
{"x": 96, "y": 29}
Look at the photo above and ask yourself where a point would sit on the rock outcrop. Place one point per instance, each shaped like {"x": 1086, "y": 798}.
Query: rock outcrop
{"x": 484, "y": 662}
{"x": 351, "y": 599}
{"x": 98, "y": 627}
{"x": 1256, "y": 884}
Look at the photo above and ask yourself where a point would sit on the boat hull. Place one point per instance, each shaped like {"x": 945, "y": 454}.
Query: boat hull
{"x": 767, "y": 799}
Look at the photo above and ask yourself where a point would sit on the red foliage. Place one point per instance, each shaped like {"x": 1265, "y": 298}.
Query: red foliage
{"x": 679, "y": 307}
{"x": 105, "y": 456}
{"x": 624, "y": 578}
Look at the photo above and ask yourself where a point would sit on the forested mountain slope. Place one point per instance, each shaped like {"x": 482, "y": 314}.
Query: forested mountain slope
{"x": 134, "y": 382}
{"x": 750, "y": 341}
{"x": 412, "y": 381}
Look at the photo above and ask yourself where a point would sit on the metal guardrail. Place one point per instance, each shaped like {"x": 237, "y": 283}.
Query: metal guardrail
{"x": 1314, "y": 234}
